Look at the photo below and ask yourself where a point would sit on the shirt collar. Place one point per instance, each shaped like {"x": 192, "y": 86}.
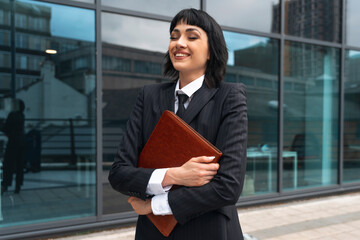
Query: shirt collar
{"x": 190, "y": 88}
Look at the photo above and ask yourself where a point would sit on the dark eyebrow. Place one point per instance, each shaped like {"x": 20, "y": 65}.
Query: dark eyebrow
{"x": 187, "y": 30}
{"x": 193, "y": 29}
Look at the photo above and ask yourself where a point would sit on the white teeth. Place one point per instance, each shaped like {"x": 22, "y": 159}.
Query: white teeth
{"x": 180, "y": 55}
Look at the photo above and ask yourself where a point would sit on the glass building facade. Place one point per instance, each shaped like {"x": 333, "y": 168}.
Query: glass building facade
{"x": 70, "y": 72}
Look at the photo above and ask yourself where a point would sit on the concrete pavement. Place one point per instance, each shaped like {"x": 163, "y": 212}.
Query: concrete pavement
{"x": 334, "y": 217}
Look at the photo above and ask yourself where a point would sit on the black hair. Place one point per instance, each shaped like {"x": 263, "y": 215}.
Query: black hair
{"x": 21, "y": 105}
{"x": 216, "y": 65}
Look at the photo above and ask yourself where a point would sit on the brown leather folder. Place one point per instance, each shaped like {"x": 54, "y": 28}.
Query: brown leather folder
{"x": 172, "y": 143}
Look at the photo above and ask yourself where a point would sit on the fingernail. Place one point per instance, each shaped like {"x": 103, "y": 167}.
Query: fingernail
{"x": 211, "y": 158}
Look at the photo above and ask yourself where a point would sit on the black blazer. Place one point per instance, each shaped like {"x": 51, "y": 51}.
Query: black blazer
{"x": 220, "y": 115}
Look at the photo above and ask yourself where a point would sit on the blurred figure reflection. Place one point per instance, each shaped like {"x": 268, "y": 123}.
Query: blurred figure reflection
{"x": 33, "y": 150}
{"x": 15, "y": 148}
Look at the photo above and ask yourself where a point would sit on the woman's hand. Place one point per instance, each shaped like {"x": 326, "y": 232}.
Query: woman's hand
{"x": 140, "y": 206}
{"x": 194, "y": 173}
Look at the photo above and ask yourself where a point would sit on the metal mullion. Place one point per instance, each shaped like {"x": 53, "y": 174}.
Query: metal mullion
{"x": 296, "y": 195}
{"x": 281, "y": 100}
{"x": 312, "y": 41}
{"x": 256, "y": 199}
{"x": 351, "y": 186}
{"x": 132, "y": 13}
{"x": 131, "y": 215}
{"x": 99, "y": 129}
{"x": 13, "y": 48}
{"x": 203, "y": 5}
{"x": 56, "y": 229}
{"x": 251, "y": 32}
{"x": 342, "y": 95}
{"x": 43, "y": 226}
{"x": 351, "y": 47}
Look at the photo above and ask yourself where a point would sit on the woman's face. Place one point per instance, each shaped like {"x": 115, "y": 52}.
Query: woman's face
{"x": 189, "y": 49}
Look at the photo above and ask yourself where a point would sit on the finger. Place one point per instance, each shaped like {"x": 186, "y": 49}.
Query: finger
{"x": 210, "y": 167}
{"x": 213, "y": 166}
{"x": 210, "y": 174}
{"x": 205, "y": 174}
{"x": 205, "y": 181}
{"x": 204, "y": 159}
{"x": 207, "y": 177}
{"x": 130, "y": 199}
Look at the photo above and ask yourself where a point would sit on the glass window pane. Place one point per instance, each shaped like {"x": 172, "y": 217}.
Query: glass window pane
{"x": 160, "y": 7}
{"x": 4, "y": 38}
{"x": 315, "y": 19}
{"x": 258, "y": 15}
{"x": 254, "y": 62}
{"x": 132, "y": 57}
{"x": 352, "y": 22}
{"x": 49, "y": 115}
{"x": 352, "y": 117}
{"x": 311, "y": 103}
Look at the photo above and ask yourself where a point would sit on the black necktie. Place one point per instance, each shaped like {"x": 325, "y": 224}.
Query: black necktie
{"x": 181, "y": 109}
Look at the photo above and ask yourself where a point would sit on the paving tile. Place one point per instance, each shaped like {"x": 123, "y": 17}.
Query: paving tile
{"x": 345, "y": 227}
{"x": 356, "y": 233}
{"x": 341, "y": 236}
{"x": 355, "y": 224}
{"x": 334, "y": 217}
{"x": 292, "y": 236}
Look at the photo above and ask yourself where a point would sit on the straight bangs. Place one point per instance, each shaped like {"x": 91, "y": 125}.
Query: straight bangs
{"x": 191, "y": 17}
{"x": 216, "y": 65}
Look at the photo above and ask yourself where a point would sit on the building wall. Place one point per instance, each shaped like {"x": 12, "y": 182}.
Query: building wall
{"x": 299, "y": 60}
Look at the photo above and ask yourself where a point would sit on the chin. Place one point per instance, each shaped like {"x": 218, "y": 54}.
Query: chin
{"x": 179, "y": 68}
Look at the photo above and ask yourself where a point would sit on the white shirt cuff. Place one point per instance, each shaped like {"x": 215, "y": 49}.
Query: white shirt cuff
{"x": 154, "y": 186}
{"x": 160, "y": 205}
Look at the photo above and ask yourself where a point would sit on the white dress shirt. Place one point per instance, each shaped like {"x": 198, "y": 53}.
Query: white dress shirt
{"x": 159, "y": 203}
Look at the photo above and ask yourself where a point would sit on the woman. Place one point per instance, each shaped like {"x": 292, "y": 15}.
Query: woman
{"x": 205, "y": 206}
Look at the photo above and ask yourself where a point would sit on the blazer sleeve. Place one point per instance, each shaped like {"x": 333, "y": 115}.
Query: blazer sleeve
{"x": 7, "y": 127}
{"x": 189, "y": 202}
{"x": 124, "y": 176}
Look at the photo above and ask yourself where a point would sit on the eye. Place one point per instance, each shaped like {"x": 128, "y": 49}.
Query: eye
{"x": 192, "y": 36}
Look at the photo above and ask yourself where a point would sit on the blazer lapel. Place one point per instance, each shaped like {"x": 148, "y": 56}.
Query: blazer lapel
{"x": 167, "y": 98}
{"x": 200, "y": 98}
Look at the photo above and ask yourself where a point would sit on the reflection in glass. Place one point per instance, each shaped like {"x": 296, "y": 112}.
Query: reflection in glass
{"x": 258, "y": 15}
{"x": 352, "y": 8}
{"x": 119, "y": 30}
{"x": 254, "y": 61}
{"x": 311, "y": 102}
{"x": 160, "y": 7}
{"x": 4, "y": 37}
{"x": 47, "y": 111}
{"x": 351, "y": 155}
{"x": 315, "y": 19}
{"x": 132, "y": 57}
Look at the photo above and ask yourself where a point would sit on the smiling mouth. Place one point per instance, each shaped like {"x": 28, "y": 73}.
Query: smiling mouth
{"x": 181, "y": 55}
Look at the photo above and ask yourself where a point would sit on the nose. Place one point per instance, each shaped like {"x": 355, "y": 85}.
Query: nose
{"x": 181, "y": 42}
